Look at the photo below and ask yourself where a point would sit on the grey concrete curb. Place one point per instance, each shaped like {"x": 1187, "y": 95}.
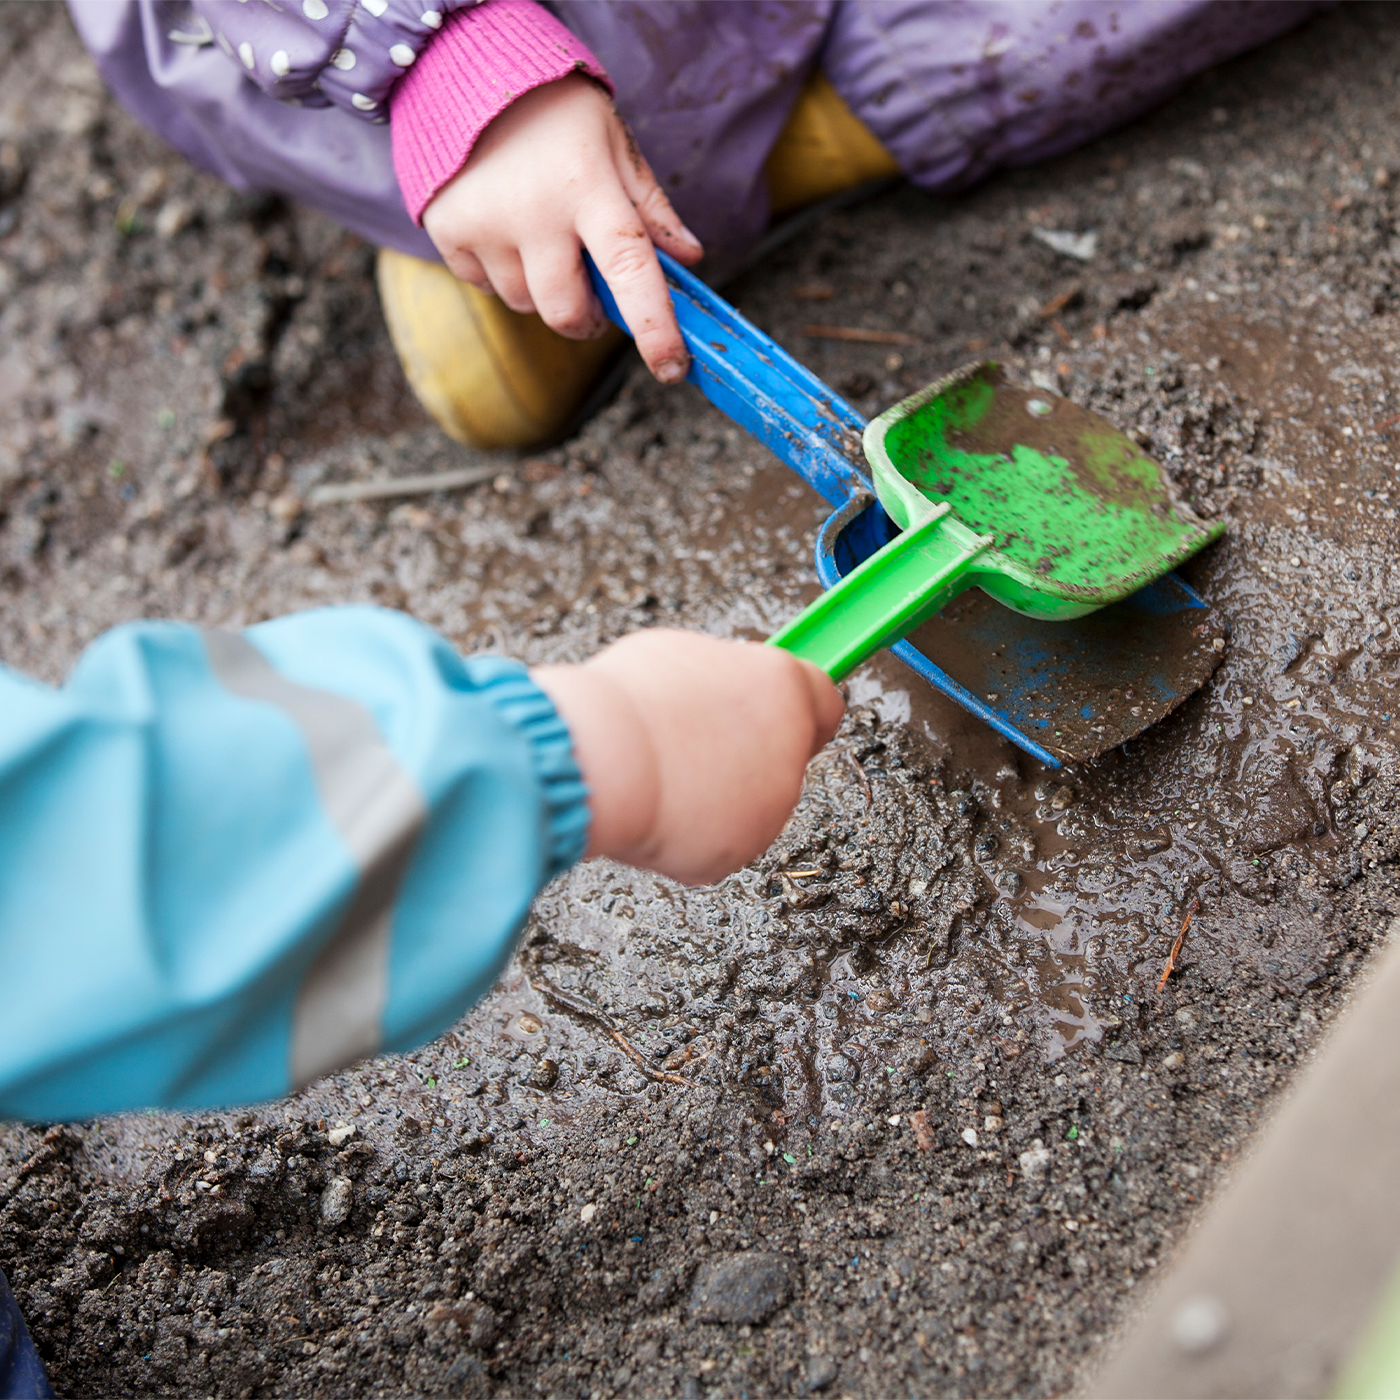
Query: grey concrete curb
{"x": 1277, "y": 1285}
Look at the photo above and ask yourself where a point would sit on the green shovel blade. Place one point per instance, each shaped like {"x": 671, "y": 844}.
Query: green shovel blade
{"x": 1044, "y": 505}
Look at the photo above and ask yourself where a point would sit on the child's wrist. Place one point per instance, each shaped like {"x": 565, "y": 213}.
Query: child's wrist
{"x": 614, "y": 751}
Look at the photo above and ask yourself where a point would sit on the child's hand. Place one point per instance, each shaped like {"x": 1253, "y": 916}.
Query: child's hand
{"x": 557, "y": 171}
{"x": 693, "y": 748}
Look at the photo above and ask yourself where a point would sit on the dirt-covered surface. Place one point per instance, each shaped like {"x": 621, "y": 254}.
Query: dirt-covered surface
{"x": 901, "y": 1109}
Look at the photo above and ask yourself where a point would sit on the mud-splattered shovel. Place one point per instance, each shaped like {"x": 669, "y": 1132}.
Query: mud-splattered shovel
{"x": 1033, "y": 500}
{"x": 1041, "y": 504}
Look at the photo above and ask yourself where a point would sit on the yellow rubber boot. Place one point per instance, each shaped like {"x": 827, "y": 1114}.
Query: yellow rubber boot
{"x": 824, "y": 149}
{"x": 489, "y": 376}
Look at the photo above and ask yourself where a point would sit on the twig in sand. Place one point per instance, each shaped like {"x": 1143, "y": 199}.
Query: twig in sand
{"x": 864, "y": 780}
{"x": 1389, "y": 423}
{"x": 1066, "y": 299}
{"x": 338, "y": 492}
{"x": 567, "y": 1001}
{"x": 860, "y": 334}
{"x": 1176, "y": 947}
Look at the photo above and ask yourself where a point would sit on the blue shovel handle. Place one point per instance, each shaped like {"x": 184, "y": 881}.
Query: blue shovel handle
{"x": 761, "y": 387}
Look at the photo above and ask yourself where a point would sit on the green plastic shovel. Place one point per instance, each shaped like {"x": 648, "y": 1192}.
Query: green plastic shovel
{"x": 1042, "y": 504}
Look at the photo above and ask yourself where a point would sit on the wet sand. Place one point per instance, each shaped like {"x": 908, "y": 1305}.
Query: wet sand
{"x": 922, "y": 1049}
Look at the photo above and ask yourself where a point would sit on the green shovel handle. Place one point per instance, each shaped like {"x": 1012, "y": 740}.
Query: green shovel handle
{"x": 886, "y": 597}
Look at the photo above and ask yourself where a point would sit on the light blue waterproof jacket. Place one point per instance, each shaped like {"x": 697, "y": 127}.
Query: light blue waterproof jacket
{"x": 233, "y": 861}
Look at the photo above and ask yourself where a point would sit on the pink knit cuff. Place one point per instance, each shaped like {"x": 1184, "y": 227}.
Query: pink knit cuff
{"x": 481, "y": 60}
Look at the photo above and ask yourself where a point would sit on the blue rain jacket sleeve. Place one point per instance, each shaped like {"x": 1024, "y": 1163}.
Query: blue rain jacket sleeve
{"x": 232, "y": 862}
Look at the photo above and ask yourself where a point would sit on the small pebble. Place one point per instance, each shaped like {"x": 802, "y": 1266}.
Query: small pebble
{"x": 1294, "y": 560}
{"x": 893, "y": 1120}
{"x": 1174, "y": 1061}
{"x": 969, "y": 1136}
{"x": 743, "y": 1288}
{"x": 590, "y": 1210}
{"x": 336, "y": 1200}
{"x": 1200, "y": 1324}
{"x": 285, "y": 508}
{"x": 1035, "y": 1159}
{"x": 340, "y": 1134}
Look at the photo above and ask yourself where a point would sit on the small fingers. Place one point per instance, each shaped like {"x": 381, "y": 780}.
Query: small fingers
{"x": 465, "y": 266}
{"x": 561, "y": 292}
{"x": 661, "y": 221}
{"x": 621, "y": 247}
{"x": 828, "y": 705}
{"x": 505, "y": 274}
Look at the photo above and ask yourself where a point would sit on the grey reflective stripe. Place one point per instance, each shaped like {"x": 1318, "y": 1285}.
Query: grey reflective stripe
{"x": 379, "y": 811}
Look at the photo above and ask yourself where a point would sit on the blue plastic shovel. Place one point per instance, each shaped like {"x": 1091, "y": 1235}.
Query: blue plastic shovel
{"x": 1058, "y": 690}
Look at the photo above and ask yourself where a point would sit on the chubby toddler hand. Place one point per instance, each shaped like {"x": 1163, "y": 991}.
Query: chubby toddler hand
{"x": 557, "y": 172}
{"x": 693, "y": 748}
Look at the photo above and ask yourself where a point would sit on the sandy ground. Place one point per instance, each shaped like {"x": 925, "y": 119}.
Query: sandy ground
{"x": 676, "y": 1151}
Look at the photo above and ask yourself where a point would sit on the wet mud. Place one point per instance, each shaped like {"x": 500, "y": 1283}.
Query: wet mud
{"x": 1083, "y": 687}
{"x": 907, "y": 1106}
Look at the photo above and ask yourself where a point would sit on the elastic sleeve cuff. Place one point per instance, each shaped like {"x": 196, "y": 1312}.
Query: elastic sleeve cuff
{"x": 478, "y": 64}
{"x": 507, "y": 686}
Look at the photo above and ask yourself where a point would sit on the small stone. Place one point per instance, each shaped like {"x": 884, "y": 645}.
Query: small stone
{"x": 821, "y": 1371}
{"x": 1295, "y": 561}
{"x": 1174, "y": 1061}
{"x": 545, "y": 1074}
{"x": 336, "y": 1200}
{"x": 1200, "y": 1324}
{"x": 285, "y": 508}
{"x": 1127, "y": 1052}
{"x": 587, "y": 1213}
{"x": 340, "y": 1134}
{"x": 923, "y": 1130}
{"x": 744, "y": 1288}
{"x": 1035, "y": 1160}
{"x": 992, "y": 1123}
{"x": 969, "y": 1136}
{"x": 475, "y": 1322}
{"x": 174, "y": 217}
{"x": 893, "y": 1120}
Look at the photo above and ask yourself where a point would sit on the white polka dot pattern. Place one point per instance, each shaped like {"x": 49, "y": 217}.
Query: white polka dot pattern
{"x": 349, "y": 54}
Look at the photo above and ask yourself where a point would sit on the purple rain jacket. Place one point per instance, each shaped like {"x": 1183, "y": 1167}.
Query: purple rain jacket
{"x": 955, "y": 89}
